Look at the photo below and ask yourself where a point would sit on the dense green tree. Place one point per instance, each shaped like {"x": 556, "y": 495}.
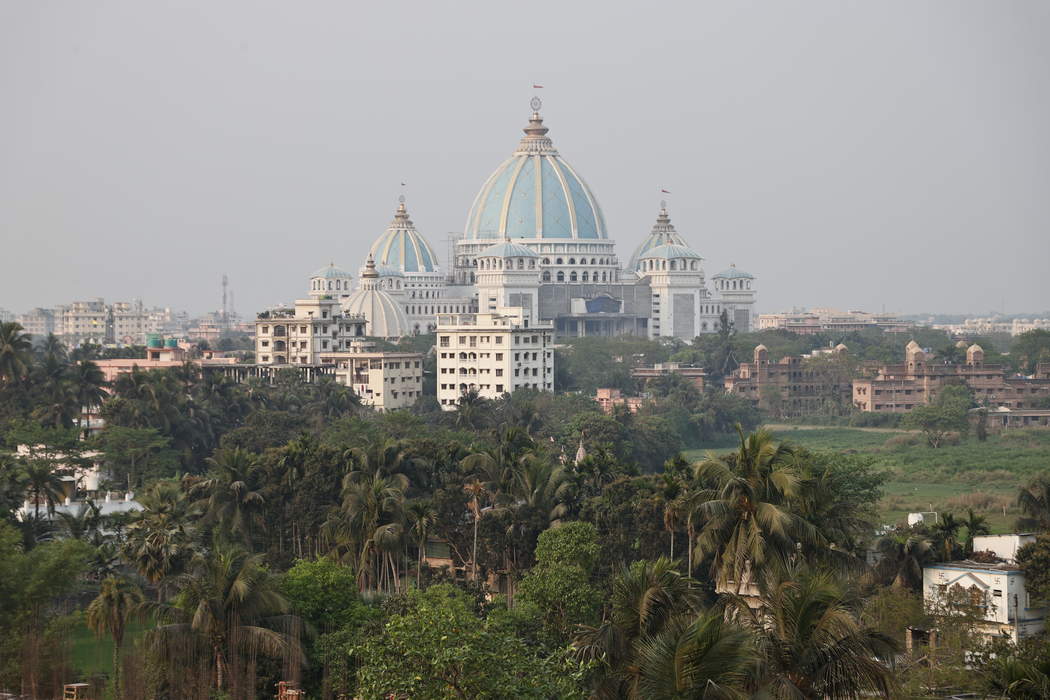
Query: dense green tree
{"x": 15, "y": 352}
{"x": 1029, "y": 349}
{"x": 903, "y": 555}
{"x": 1034, "y": 502}
{"x": 947, "y": 415}
{"x": 439, "y": 648}
{"x": 1034, "y": 560}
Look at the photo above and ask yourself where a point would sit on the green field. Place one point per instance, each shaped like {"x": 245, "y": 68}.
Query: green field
{"x": 94, "y": 656}
{"x": 984, "y": 476}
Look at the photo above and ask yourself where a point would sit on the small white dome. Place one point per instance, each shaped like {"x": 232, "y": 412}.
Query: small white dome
{"x": 384, "y": 316}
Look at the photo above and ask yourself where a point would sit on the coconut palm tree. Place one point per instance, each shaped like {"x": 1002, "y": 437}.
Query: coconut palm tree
{"x": 701, "y": 656}
{"x": 497, "y": 467}
{"x": 160, "y": 539}
{"x": 16, "y": 352}
{"x": 747, "y": 520}
{"x": 117, "y": 602}
{"x": 229, "y": 604}
{"x": 469, "y": 408}
{"x": 231, "y": 495}
{"x": 88, "y": 386}
{"x": 476, "y": 490}
{"x": 811, "y": 642}
{"x": 947, "y": 528}
{"x": 421, "y": 517}
{"x": 903, "y": 556}
{"x": 44, "y": 484}
{"x": 646, "y": 598}
{"x": 358, "y": 528}
{"x": 975, "y": 525}
{"x": 1034, "y": 501}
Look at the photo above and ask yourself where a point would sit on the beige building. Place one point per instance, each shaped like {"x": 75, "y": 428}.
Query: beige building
{"x": 383, "y": 380}
{"x": 792, "y": 386}
{"x": 696, "y": 376}
{"x": 298, "y": 336}
{"x": 900, "y": 388}
{"x": 38, "y": 322}
{"x": 825, "y": 320}
{"x": 493, "y": 353}
{"x": 609, "y": 399}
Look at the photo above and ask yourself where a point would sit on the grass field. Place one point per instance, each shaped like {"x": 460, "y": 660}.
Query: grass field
{"x": 91, "y": 655}
{"x": 984, "y": 476}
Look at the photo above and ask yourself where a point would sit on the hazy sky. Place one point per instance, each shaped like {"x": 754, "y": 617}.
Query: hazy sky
{"x": 849, "y": 154}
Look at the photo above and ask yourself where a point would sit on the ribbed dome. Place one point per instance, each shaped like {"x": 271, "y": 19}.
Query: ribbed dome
{"x": 535, "y": 194}
{"x": 732, "y": 273}
{"x": 667, "y": 252}
{"x": 508, "y": 250}
{"x": 330, "y": 272}
{"x": 663, "y": 233}
{"x": 385, "y": 317}
{"x": 403, "y": 247}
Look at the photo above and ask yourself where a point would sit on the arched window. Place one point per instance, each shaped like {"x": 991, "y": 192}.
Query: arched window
{"x": 546, "y": 261}
{"x": 572, "y": 276}
{"x": 329, "y": 286}
{"x": 572, "y": 261}
{"x": 546, "y": 276}
{"x": 559, "y": 262}
{"x": 593, "y": 262}
{"x": 561, "y": 276}
{"x": 603, "y": 277}
{"x": 521, "y": 263}
{"x": 672, "y": 264}
{"x": 586, "y": 277}
{"x": 532, "y": 264}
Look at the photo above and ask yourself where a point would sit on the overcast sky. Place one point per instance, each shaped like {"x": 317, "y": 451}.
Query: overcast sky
{"x": 859, "y": 155}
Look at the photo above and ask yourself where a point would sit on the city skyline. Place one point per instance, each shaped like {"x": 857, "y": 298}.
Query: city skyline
{"x": 908, "y": 174}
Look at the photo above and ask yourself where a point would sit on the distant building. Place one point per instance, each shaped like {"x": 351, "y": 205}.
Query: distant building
{"x": 900, "y": 388}
{"x": 163, "y": 354}
{"x": 298, "y": 335}
{"x": 824, "y": 320}
{"x": 492, "y": 353}
{"x": 6, "y": 316}
{"x": 696, "y": 376}
{"x": 790, "y": 387}
{"x": 38, "y": 322}
{"x": 988, "y": 326}
{"x": 997, "y": 591}
{"x": 1000, "y": 418}
{"x": 383, "y": 380}
{"x": 609, "y": 399}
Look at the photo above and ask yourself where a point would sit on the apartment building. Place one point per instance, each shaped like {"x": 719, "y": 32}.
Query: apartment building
{"x": 492, "y": 353}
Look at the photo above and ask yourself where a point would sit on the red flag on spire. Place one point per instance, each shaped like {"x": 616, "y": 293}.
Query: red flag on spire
{"x": 538, "y": 87}
{"x": 665, "y": 191}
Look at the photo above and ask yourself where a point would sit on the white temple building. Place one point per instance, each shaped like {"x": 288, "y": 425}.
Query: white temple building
{"x": 535, "y": 238}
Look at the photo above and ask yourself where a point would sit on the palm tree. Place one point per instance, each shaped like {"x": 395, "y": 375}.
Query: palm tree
{"x": 975, "y": 525}
{"x": 233, "y": 498}
{"x": 16, "y": 350}
{"x": 421, "y": 517}
{"x": 811, "y": 642}
{"x": 117, "y": 602}
{"x": 948, "y": 529}
{"x": 1017, "y": 678}
{"x": 1034, "y": 501}
{"x": 383, "y": 457}
{"x": 475, "y": 489}
{"x": 469, "y": 407}
{"x": 88, "y": 384}
{"x": 747, "y": 521}
{"x": 695, "y": 657}
{"x": 498, "y": 466}
{"x": 160, "y": 538}
{"x": 360, "y": 525}
{"x": 646, "y": 598}
{"x": 44, "y": 484}
{"x": 903, "y": 557}
{"x": 230, "y": 604}
{"x": 84, "y": 524}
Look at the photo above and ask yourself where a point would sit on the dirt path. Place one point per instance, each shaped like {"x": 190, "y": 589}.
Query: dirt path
{"x": 785, "y": 427}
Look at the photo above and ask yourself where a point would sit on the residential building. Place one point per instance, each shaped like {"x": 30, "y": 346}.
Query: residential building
{"x": 298, "y": 335}
{"x": 826, "y": 320}
{"x": 6, "y": 316}
{"x": 696, "y": 376}
{"x": 38, "y": 322}
{"x": 383, "y": 380}
{"x": 164, "y": 353}
{"x": 988, "y": 326}
{"x": 996, "y": 591}
{"x": 492, "y": 353}
{"x": 793, "y": 386}
{"x": 1000, "y": 418}
{"x": 901, "y": 387}
{"x": 609, "y": 399}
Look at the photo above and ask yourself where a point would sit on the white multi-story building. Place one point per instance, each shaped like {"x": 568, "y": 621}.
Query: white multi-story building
{"x": 996, "y": 590}
{"x": 38, "y": 322}
{"x": 383, "y": 380}
{"x": 298, "y": 335}
{"x": 493, "y": 353}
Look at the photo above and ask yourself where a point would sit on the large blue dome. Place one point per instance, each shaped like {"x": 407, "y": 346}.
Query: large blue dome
{"x": 535, "y": 194}
{"x": 402, "y": 247}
